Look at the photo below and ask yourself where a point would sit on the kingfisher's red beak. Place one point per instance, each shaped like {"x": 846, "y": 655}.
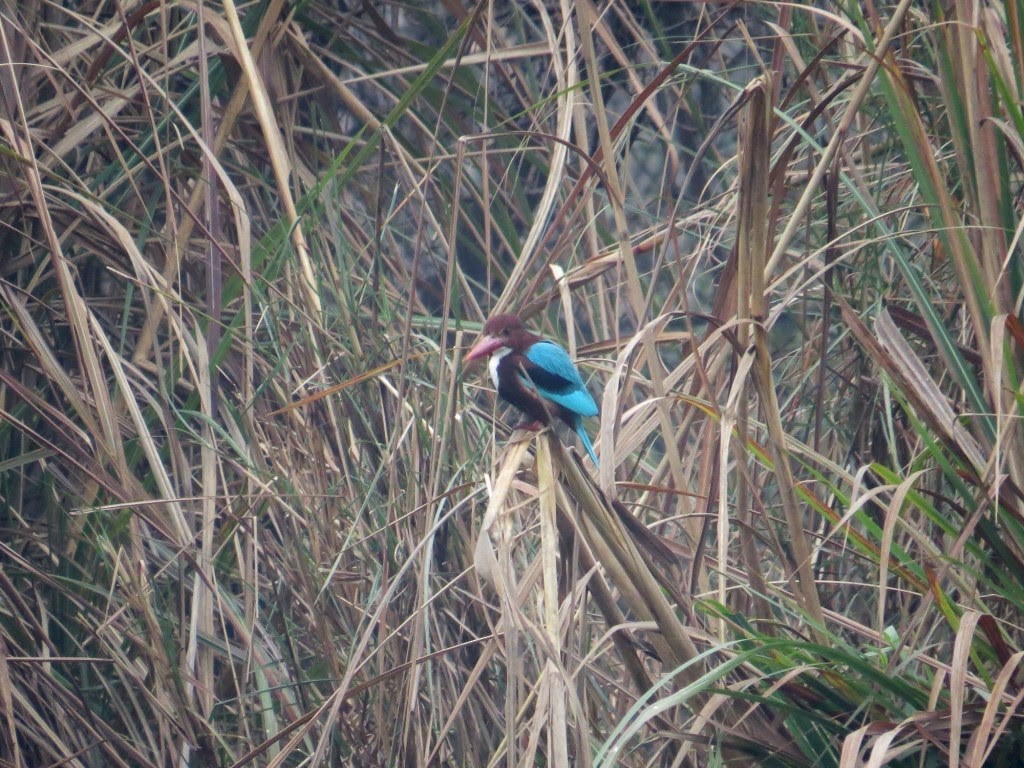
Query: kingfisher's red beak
{"x": 484, "y": 346}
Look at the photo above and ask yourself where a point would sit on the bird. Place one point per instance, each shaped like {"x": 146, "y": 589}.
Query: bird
{"x": 535, "y": 375}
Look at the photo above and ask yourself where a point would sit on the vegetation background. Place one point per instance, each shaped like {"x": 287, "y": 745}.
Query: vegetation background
{"x": 256, "y": 512}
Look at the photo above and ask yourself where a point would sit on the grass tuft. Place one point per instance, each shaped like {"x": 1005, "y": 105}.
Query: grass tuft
{"x": 255, "y": 509}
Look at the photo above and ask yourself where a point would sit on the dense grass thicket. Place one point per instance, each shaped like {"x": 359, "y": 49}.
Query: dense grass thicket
{"x": 255, "y": 509}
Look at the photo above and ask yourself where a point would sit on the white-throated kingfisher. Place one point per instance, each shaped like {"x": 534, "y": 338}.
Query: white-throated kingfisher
{"x": 535, "y": 375}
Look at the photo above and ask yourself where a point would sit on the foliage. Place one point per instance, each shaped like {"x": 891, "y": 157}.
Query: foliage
{"x": 256, "y": 511}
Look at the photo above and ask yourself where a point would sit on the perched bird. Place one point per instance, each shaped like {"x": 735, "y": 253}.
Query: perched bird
{"x": 535, "y": 375}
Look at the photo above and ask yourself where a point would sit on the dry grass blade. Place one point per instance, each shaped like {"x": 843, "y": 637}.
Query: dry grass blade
{"x": 904, "y": 365}
{"x": 278, "y": 154}
{"x": 986, "y": 735}
{"x": 613, "y": 547}
{"x": 874, "y": 61}
{"x": 752, "y": 254}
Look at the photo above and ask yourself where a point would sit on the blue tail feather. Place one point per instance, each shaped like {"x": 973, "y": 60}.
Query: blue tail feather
{"x": 585, "y": 439}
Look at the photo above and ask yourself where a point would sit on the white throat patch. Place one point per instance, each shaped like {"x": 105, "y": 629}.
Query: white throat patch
{"x": 492, "y": 364}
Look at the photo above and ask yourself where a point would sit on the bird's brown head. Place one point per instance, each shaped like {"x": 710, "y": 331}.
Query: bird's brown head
{"x": 500, "y": 331}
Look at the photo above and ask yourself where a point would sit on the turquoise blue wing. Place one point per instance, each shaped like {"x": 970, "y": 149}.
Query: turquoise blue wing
{"x": 554, "y": 360}
{"x": 554, "y": 376}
